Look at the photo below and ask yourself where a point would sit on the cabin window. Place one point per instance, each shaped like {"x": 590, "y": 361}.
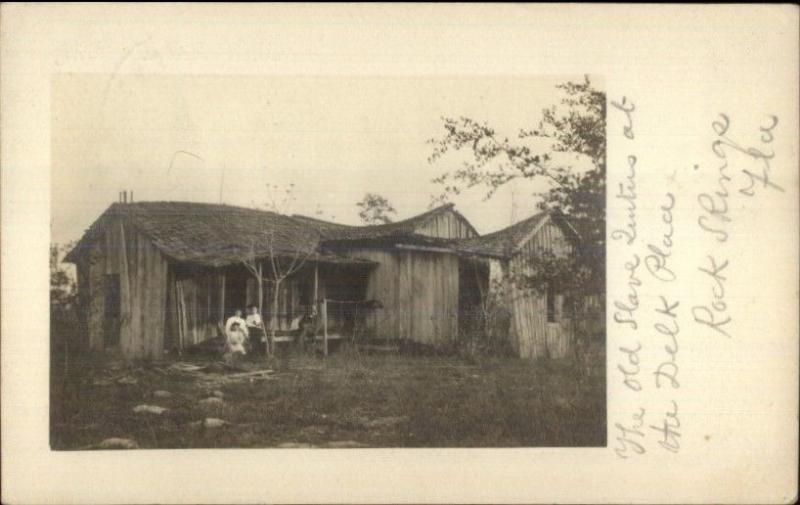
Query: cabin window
{"x": 551, "y": 298}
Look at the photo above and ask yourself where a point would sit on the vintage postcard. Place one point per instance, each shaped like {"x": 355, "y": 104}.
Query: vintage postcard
{"x": 373, "y": 254}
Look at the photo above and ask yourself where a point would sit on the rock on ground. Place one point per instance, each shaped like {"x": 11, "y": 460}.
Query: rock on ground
{"x": 384, "y": 422}
{"x": 118, "y": 443}
{"x": 149, "y": 409}
{"x": 213, "y": 422}
{"x": 162, "y": 394}
{"x": 295, "y": 445}
{"x": 345, "y": 444}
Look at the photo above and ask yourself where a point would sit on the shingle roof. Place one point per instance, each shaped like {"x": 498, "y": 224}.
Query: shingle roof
{"x": 406, "y": 228}
{"x": 216, "y": 235}
{"x": 207, "y": 233}
{"x": 503, "y": 243}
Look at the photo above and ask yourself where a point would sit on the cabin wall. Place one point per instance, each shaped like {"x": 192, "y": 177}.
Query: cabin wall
{"x": 447, "y": 225}
{"x": 532, "y": 336}
{"x": 142, "y": 280}
{"x": 95, "y": 294}
{"x": 143, "y": 291}
{"x": 196, "y": 308}
{"x": 419, "y": 294}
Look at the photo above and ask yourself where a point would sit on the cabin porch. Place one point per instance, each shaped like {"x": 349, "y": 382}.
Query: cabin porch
{"x": 325, "y": 294}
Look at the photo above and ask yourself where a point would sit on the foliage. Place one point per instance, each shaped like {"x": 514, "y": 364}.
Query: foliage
{"x": 64, "y": 320}
{"x": 570, "y": 274}
{"x": 488, "y": 333}
{"x": 438, "y": 201}
{"x": 375, "y": 209}
{"x": 67, "y": 336}
{"x": 63, "y": 289}
{"x": 575, "y": 125}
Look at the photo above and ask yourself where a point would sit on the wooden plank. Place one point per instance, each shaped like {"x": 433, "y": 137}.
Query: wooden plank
{"x": 325, "y": 326}
{"x": 222, "y": 300}
{"x": 184, "y": 335}
{"x": 96, "y": 294}
{"x": 125, "y": 335}
{"x": 152, "y": 295}
{"x": 159, "y": 304}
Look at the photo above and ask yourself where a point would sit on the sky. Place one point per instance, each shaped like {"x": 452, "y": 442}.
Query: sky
{"x": 243, "y": 140}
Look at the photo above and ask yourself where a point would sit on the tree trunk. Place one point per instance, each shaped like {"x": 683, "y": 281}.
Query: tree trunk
{"x": 273, "y": 322}
{"x": 261, "y": 308}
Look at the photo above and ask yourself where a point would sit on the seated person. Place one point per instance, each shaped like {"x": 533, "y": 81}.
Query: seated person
{"x": 236, "y": 318}
{"x": 255, "y": 328}
{"x": 235, "y": 340}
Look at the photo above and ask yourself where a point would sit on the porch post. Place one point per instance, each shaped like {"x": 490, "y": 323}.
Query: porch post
{"x": 325, "y": 326}
{"x": 316, "y": 285}
{"x": 222, "y": 299}
{"x": 260, "y": 291}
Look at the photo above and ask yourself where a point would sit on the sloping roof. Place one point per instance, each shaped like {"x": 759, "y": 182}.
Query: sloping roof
{"x": 406, "y": 228}
{"x": 207, "y": 233}
{"x": 216, "y": 235}
{"x": 504, "y": 243}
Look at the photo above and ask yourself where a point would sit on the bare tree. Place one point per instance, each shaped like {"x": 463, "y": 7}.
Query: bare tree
{"x": 280, "y": 266}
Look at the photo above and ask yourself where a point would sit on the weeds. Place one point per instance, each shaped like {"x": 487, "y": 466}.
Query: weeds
{"x": 349, "y": 399}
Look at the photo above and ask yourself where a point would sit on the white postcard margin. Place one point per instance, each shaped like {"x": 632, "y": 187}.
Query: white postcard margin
{"x": 709, "y": 85}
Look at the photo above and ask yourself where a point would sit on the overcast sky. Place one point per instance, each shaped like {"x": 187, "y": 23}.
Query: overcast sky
{"x": 194, "y": 138}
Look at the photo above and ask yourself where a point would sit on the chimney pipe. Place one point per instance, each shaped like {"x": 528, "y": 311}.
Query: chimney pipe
{"x": 131, "y": 196}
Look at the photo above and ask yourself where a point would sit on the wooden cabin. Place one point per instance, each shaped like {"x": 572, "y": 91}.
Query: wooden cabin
{"x": 540, "y": 326}
{"x": 160, "y": 276}
{"x": 416, "y": 277}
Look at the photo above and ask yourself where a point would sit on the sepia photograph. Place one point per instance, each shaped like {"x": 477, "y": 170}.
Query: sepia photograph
{"x": 327, "y": 262}
{"x": 399, "y": 253}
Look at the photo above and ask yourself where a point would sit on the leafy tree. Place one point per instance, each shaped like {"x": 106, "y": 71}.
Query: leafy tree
{"x": 63, "y": 290}
{"x": 375, "y": 209}
{"x": 67, "y": 337}
{"x": 576, "y": 125}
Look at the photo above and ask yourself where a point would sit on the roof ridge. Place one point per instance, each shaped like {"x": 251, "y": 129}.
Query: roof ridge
{"x": 321, "y": 221}
{"x": 227, "y": 206}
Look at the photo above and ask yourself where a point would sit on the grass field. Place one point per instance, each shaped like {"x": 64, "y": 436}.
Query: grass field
{"x": 348, "y": 399}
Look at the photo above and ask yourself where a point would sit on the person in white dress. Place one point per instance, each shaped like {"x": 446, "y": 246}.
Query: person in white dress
{"x": 235, "y": 334}
{"x": 236, "y": 338}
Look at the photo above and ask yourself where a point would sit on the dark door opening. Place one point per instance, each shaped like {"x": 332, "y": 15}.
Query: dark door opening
{"x": 473, "y": 283}
{"x": 111, "y": 314}
{"x": 235, "y": 293}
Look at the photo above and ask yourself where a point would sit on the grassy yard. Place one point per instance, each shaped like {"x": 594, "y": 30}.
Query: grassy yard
{"x": 346, "y": 400}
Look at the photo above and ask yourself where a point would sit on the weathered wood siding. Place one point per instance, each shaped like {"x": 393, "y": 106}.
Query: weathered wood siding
{"x": 532, "y": 335}
{"x": 197, "y": 307}
{"x": 419, "y": 293}
{"x": 95, "y": 294}
{"x": 142, "y": 271}
{"x": 447, "y": 225}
